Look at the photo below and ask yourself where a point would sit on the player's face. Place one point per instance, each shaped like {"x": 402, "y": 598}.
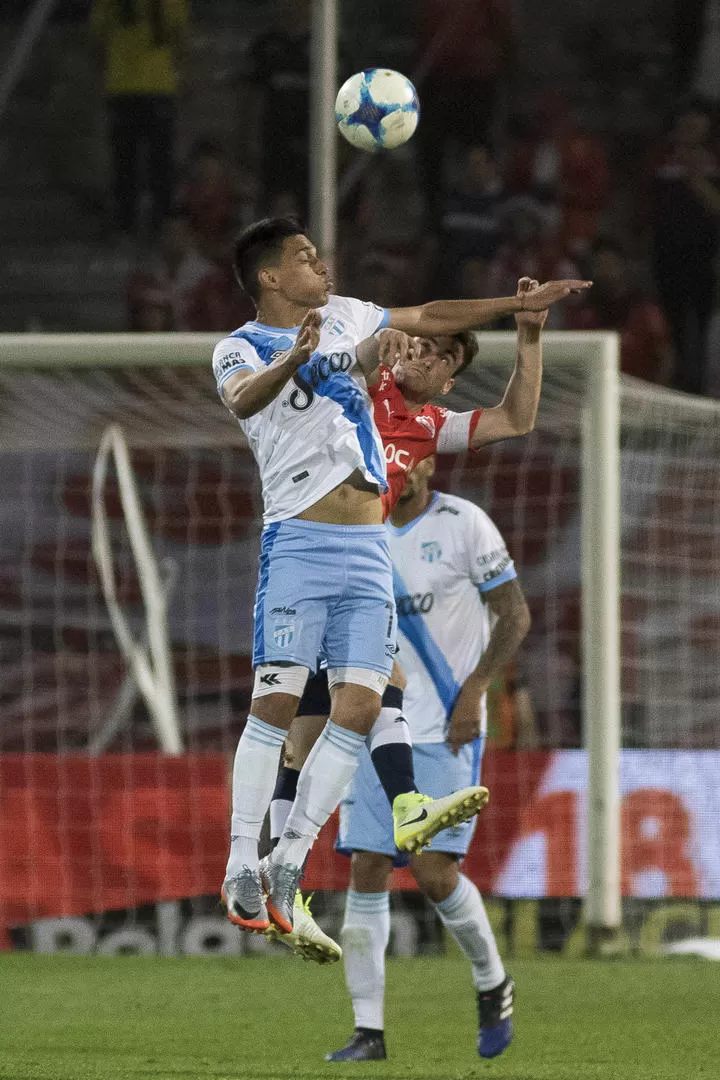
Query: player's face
{"x": 429, "y": 372}
{"x": 302, "y": 277}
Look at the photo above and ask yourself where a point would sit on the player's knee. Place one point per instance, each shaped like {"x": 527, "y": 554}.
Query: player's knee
{"x": 369, "y": 872}
{"x": 276, "y": 709}
{"x": 354, "y": 707}
{"x": 436, "y": 874}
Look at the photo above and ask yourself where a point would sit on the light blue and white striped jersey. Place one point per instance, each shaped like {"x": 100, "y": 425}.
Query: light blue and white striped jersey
{"x": 442, "y": 562}
{"x": 320, "y": 428}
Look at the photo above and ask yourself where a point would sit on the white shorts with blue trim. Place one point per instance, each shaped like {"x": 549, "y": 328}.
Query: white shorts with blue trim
{"x": 325, "y": 590}
{"x": 366, "y": 822}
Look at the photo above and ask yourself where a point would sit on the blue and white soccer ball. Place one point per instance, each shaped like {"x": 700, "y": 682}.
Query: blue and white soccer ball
{"x": 377, "y": 109}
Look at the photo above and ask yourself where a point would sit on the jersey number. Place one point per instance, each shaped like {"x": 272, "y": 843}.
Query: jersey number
{"x": 302, "y": 398}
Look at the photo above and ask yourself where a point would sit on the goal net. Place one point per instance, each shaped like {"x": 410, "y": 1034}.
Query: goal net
{"x": 133, "y": 808}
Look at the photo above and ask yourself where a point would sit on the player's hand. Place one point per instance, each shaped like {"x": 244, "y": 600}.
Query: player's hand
{"x": 307, "y": 340}
{"x": 465, "y": 719}
{"x": 529, "y": 318}
{"x": 552, "y": 291}
{"x": 395, "y": 346}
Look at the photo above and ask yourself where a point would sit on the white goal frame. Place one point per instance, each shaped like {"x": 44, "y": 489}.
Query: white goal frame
{"x": 596, "y": 355}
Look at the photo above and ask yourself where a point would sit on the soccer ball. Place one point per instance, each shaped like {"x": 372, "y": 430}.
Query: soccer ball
{"x": 377, "y": 109}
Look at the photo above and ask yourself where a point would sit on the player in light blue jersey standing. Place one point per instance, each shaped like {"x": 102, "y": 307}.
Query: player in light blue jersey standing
{"x": 294, "y": 379}
{"x": 461, "y": 618}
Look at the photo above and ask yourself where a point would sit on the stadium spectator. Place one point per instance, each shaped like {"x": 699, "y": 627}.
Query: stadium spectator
{"x": 391, "y": 211}
{"x": 616, "y": 303}
{"x": 695, "y": 36}
{"x": 685, "y": 209}
{"x": 471, "y": 223}
{"x": 216, "y": 303}
{"x": 466, "y": 52}
{"x": 706, "y": 81}
{"x": 284, "y": 204}
{"x": 199, "y": 294}
{"x": 473, "y": 278}
{"x": 531, "y": 250}
{"x": 388, "y": 230}
{"x": 179, "y": 267}
{"x": 210, "y": 194}
{"x": 278, "y": 63}
{"x": 563, "y": 167}
{"x": 382, "y": 277}
{"x": 148, "y": 305}
{"x": 141, "y": 42}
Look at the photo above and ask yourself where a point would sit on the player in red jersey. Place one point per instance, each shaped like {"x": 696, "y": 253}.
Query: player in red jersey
{"x": 414, "y": 371}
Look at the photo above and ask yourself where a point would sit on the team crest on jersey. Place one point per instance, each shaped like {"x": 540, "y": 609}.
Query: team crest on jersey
{"x": 427, "y": 422}
{"x": 430, "y": 551}
{"x": 283, "y": 635}
{"x": 333, "y": 325}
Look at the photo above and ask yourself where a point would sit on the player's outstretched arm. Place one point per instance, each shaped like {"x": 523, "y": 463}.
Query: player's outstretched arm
{"x": 247, "y": 392}
{"x": 454, "y": 316}
{"x": 508, "y": 604}
{"x": 516, "y": 413}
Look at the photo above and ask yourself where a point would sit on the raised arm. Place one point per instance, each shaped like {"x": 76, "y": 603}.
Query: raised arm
{"x": 515, "y": 415}
{"x": 454, "y": 316}
{"x": 247, "y": 392}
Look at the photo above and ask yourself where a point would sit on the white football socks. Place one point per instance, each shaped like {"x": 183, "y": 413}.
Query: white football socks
{"x": 364, "y": 938}
{"x": 330, "y": 767}
{"x": 254, "y": 772}
{"x": 463, "y": 913}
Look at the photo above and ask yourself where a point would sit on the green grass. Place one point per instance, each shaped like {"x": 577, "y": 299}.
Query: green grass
{"x": 92, "y": 1018}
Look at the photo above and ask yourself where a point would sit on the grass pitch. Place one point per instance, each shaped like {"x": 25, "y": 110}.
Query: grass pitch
{"x": 273, "y": 1018}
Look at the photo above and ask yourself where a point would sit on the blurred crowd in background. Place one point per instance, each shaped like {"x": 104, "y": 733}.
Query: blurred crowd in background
{"x": 580, "y": 140}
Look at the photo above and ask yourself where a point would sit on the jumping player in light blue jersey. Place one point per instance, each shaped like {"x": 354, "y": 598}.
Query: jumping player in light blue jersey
{"x": 294, "y": 378}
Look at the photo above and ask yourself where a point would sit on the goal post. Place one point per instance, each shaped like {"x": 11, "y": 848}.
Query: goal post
{"x": 595, "y": 357}
{"x": 601, "y": 636}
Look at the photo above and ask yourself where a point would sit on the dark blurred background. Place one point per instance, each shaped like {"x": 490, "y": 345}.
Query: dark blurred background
{"x": 554, "y": 140}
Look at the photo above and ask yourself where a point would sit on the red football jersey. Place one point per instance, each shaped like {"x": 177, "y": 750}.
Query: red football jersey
{"x": 409, "y": 437}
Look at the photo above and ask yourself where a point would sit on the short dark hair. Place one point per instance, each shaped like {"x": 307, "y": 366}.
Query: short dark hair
{"x": 470, "y": 348}
{"x": 261, "y": 241}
